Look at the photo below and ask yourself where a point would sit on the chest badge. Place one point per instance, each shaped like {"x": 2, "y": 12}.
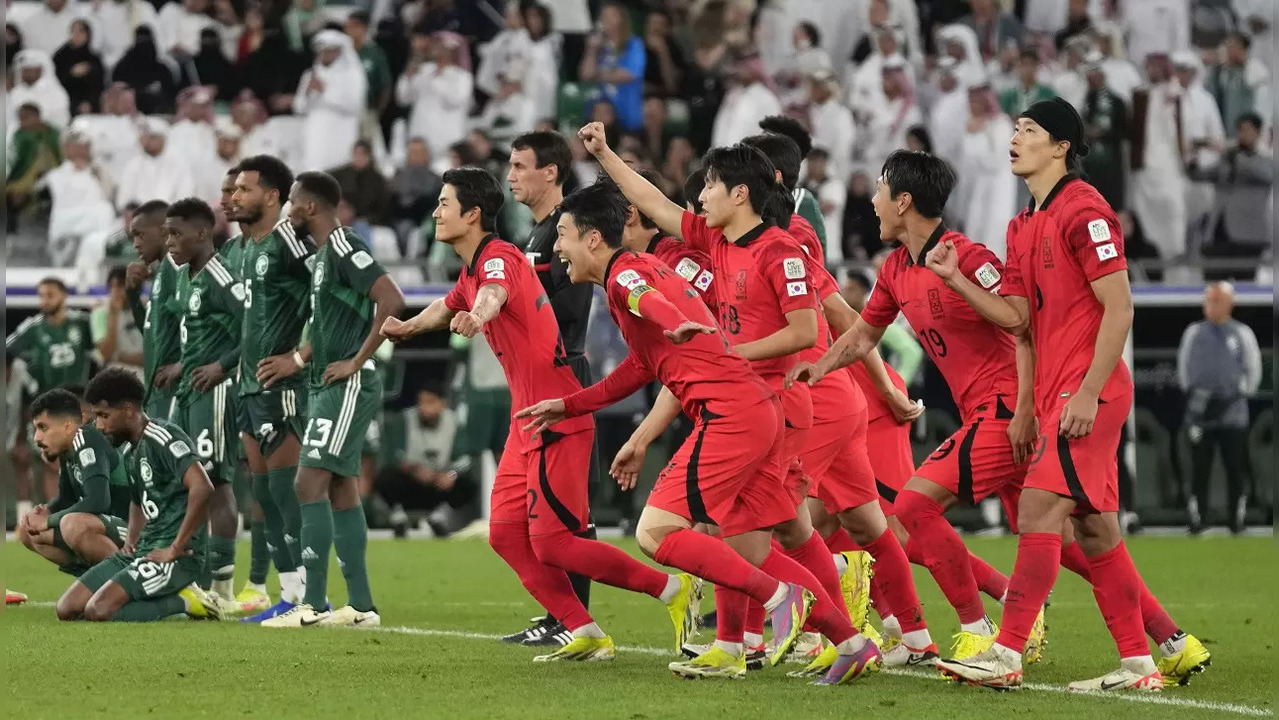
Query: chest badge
{"x": 261, "y": 265}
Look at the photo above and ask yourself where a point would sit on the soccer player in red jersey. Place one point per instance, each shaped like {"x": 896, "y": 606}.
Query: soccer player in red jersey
{"x": 539, "y": 501}
{"x": 1065, "y": 278}
{"x": 766, "y": 307}
{"x": 729, "y": 473}
{"x": 976, "y": 358}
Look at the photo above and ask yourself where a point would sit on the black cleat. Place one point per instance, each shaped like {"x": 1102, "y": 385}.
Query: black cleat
{"x": 544, "y": 632}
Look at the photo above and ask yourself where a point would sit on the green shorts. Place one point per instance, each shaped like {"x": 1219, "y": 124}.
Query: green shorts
{"x": 117, "y": 531}
{"x": 144, "y": 579}
{"x": 161, "y": 404}
{"x": 209, "y": 418}
{"x": 269, "y": 416}
{"x": 488, "y": 420}
{"x": 337, "y": 417}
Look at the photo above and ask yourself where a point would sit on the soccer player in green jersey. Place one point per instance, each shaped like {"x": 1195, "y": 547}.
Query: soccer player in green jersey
{"x": 160, "y": 316}
{"x": 55, "y": 345}
{"x": 153, "y": 575}
{"x": 277, "y": 279}
{"x": 351, "y": 296}
{"x": 86, "y": 522}
{"x": 212, "y": 302}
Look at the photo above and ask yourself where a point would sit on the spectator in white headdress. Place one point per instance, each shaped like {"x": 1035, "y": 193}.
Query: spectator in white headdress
{"x": 80, "y": 191}
{"x": 154, "y": 174}
{"x": 983, "y": 167}
{"x": 192, "y": 137}
{"x": 960, "y": 42}
{"x": 331, "y": 96}
{"x": 37, "y": 84}
{"x": 890, "y": 116}
{"x": 438, "y": 90}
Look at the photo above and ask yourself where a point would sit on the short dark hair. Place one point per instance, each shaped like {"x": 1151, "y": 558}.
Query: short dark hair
{"x": 58, "y": 403}
{"x": 653, "y": 178}
{"x": 233, "y": 171}
{"x": 599, "y": 206}
{"x": 54, "y": 281}
{"x": 364, "y": 145}
{"x": 814, "y": 35}
{"x": 117, "y": 274}
{"x": 30, "y": 108}
{"x": 742, "y": 164}
{"x": 783, "y": 152}
{"x": 360, "y": 16}
{"x": 791, "y": 128}
{"x": 819, "y": 153}
{"x": 273, "y": 174}
{"x": 322, "y": 186}
{"x": 693, "y": 185}
{"x": 1251, "y": 118}
{"x": 1028, "y": 53}
{"x": 549, "y": 148}
{"x": 194, "y": 210}
{"x": 928, "y": 178}
{"x": 151, "y": 206}
{"x": 476, "y": 187}
{"x": 115, "y": 386}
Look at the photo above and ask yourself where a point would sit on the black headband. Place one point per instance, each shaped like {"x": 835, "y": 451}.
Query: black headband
{"x": 1061, "y": 120}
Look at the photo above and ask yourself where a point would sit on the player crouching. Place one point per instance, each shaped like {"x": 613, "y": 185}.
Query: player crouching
{"x": 152, "y": 577}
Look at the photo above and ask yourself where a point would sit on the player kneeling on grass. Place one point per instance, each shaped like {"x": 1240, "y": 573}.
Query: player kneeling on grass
{"x": 152, "y": 577}
{"x": 85, "y": 523}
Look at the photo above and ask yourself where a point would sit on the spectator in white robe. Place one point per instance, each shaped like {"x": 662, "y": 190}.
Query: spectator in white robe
{"x": 153, "y": 174}
{"x": 510, "y": 112}
{"x": 1069, "y": 82}
{"x": 808, "y": 57}
{"x": 46, "y": 28}
{"x": 438, "y": 92}
{"x": 1048, "y": 17}
{"x": 1155, "y": 27}
{"x": 226, "y": 156}
{"x": 960, "y": 42}
{"x": 950, "y": 105}
{"x": 749, "y": 100}
{"x": 113, "y": 24}
{"x": 983, "y": 167}
{"x": 1158, "y": 167}
{"x": 831, "y": 122}
{"x": 36, "y": 83}
{"x": 192, "y": 138}
{"x": 1122, "y": 76}
{"x": 180, "y": 27}
{"x": 890, "y": 118}
{"x": 901, "y": 15}
{"x": 257, "y": 136}
{"x": 113, "y": 134}
{"x": 865, "y": 81}
{"x": 331, "y": 96}
{"x": 542, "y": 76}
{"x": 1203, "y": 140}
{"x": 508, "y": 49}
{"x": 1256, "y": 17}
{"x": 80, "y": 192}
{"x": 823, "y": 182}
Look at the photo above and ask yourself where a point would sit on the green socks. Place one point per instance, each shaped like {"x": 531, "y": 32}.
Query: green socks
{"x": 286, "y": 499}
{"x": 273, "y": 525}
{"x": 149, "y": 610}
{"x": 259, "y": 556}
{"x": 219, "y": 563}
{"x": 351, "y": 540}
{"x": 317, "y": 540}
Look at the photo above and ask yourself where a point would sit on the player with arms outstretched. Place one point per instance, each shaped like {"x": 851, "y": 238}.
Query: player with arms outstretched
{"x": 351, "y": 296}
{"x": 153, "y": 576}
{"x": 1066, "y": 280}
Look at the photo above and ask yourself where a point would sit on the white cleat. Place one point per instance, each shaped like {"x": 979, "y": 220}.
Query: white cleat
{"x": 997, "y": 668}
{"x": 902, "y": 655}
{"x": 299, "y": 616}
{"x": 1133, "y": 674}
{"x": 807, "y": 648}
{"x": 347, "y": 616}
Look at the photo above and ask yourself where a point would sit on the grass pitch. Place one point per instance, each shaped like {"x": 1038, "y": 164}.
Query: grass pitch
{"x": 442, "y": 604}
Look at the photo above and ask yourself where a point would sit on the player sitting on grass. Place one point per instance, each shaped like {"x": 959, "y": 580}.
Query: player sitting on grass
{"x": 152, "y": 577}
{"x": 85, "y": 523}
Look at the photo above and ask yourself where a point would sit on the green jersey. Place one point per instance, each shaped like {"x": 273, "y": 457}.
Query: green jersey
{"x": 155, "y": 467}
{"x": 56, "y": 355}
{"x": 277, "y": 276}
{"x": 212, "y": 303}
{"x": 807, "y": 207}
{"x": 342, "y": 310}
{"x": 232, "y": 255}
{"x": 160, "y": 320}
{"x": 91, "y": 479}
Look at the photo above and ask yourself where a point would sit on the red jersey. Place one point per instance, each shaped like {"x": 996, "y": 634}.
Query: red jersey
{"x": 977, "y": 358}
{"x": 875, "y": 405}
{"x": 1054, "y": 254}
{"x": 524, "y": 335}
{"x": 645, "y": 299}
{"x": 692, "y": 265}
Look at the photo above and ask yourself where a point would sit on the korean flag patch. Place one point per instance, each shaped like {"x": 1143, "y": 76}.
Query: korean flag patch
{"x": 88, "y": 457}
{"x": 362, "y": 260}
{"x": 795, "y": 289}
{"x": 703, "y": 281}
{"x": 987, "y": 276}
{"x": 629, "y": 279}
{"x": 687, "y": 269}
{"x": 1098, "y": 230}
{"x": 1107, "y": 252}
{"x": 793, "y": 268}
{"x": 179, "y": 448}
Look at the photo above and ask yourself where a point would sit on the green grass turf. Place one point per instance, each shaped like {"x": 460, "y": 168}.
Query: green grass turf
{"x": 1216, "y": 588}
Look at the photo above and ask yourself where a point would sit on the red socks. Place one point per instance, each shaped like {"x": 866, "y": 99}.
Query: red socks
{"x": 710, "y": 559}
{"x": 1073, "y": 559}
{"x": 1159, "y": 625}
{"x": 755, "y": 618}
{"x": 1117, "y": 587}
{"x": 892, "y": 573}
{"x": 598, "y": 561}
{"x": 1038, "y": 560}
{"x": 840, "y": 541}
{"x": 947, "y": 555}
{"x": 731, "y": 608}
{"x": 549, "y": 586}
{"x": 816, "y": 558}
{"x": 989, "y": 580}
{"x": 826, "y": 616}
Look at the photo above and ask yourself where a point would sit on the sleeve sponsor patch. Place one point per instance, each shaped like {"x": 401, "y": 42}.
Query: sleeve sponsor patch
{"x": 179, "y": 448}
{"x": 703, "y": 281}
{"x": 629, "y": 279}
{"x": 794, "y": 268}
{"x": 495, "y": 264}
{"x": 88, "y": 457}
{"x": 362, "y": 260}
{"x": 1107, "y": 252}
{"x": 987, "y": 276}
{"x": 795, "y": 289}
{"x": 237, "y": 292}
{"x": 687, "y": 269}
{"x": 633, "y": 300}
{"x": 1098, "y": 230}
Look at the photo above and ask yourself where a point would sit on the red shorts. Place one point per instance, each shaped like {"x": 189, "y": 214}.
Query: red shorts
{"x": 544, "y": 487}
{"x": 1085, "y": 469}
{"x": 977, "y": 460}
{"x": 888, "y": 445}
{"x": 849, "y": 481}
{"x": 795, "y": 477}
{"x": 821, "y": 446}
{"x": 1009, "y": 496}
{"x": 729, "y": 473}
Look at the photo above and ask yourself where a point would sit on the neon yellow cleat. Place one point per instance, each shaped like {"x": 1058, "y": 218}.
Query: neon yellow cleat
{"x": 1037, "y": 641}
{"x": 685, "y": 608}
{"x": 968, "y": 644}
{"x": 1192, "y": 660}
{"x": 855, "y": 586}
{"x": 819, "y": 666}
{"x": 714, "y": 663}
{"x": 582, "y": 649}
{"x": 251, "y": 601}
{"x": 873, "y": 635}
{"x": 199, "y": 604}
